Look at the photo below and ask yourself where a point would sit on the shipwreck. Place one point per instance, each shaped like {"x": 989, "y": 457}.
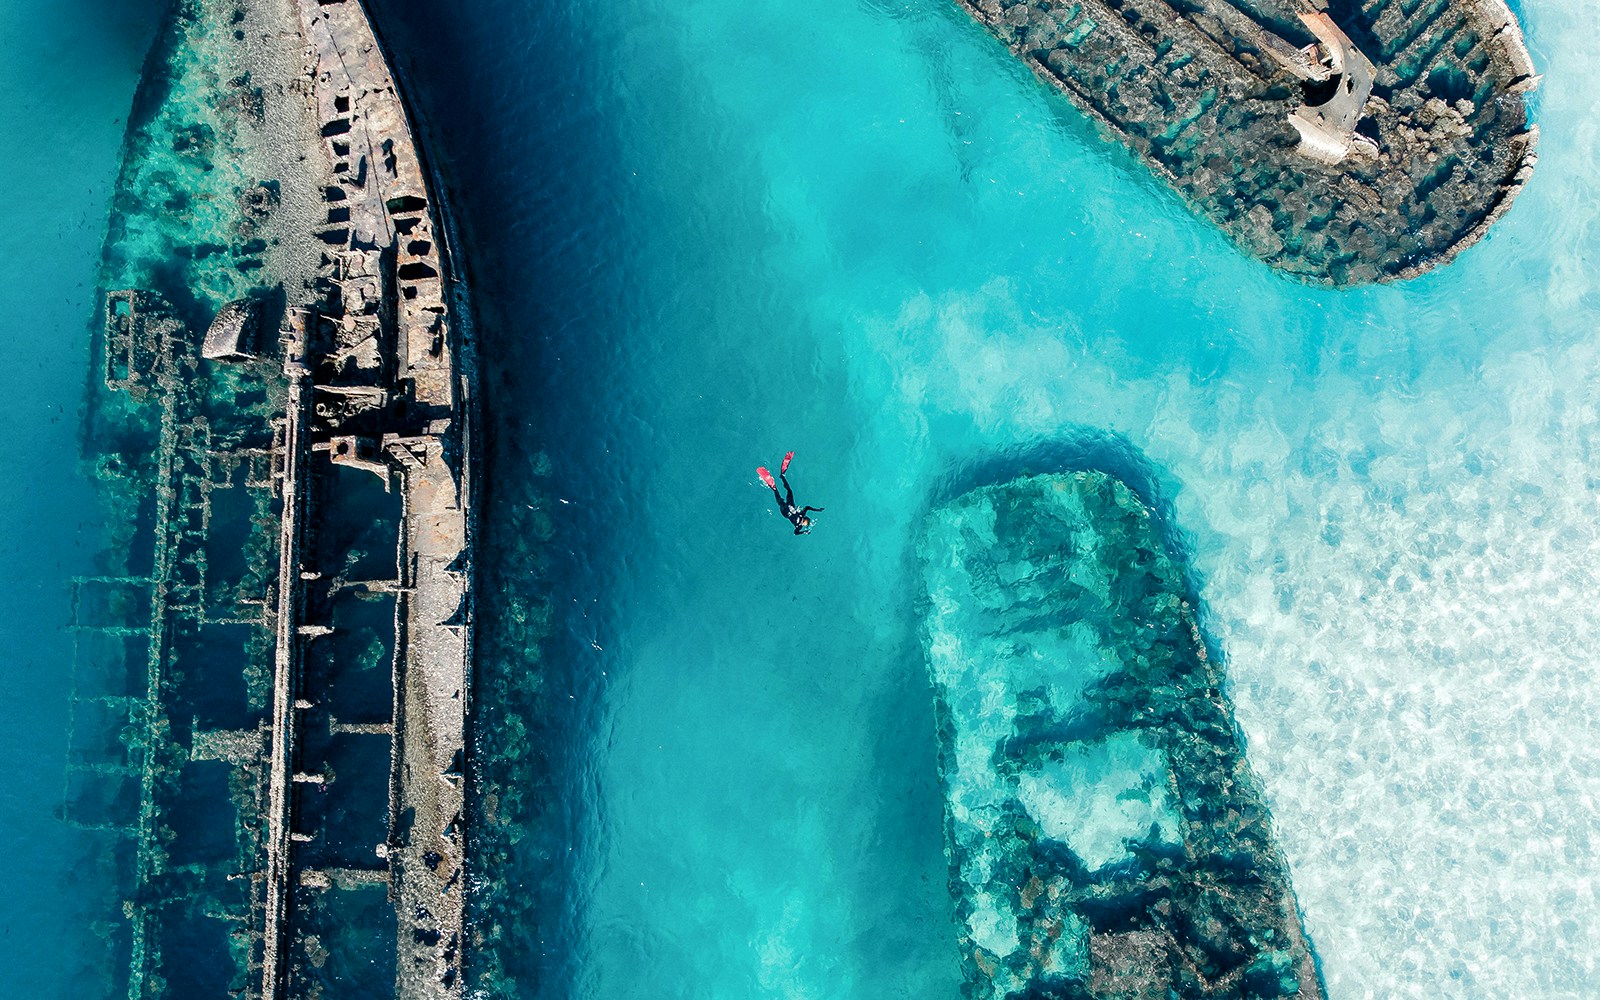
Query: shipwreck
{"x": 273, "y": 678}
{"x": 1344, "y": 143}
{"x": 1107, "y": 837}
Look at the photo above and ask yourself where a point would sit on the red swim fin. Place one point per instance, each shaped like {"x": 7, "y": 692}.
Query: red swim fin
{"x": 766, "y": 477}
{"x": 786, "y": 460}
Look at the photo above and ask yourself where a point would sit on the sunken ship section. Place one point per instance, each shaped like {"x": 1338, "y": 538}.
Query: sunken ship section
{"x": 1106, "y": 836}
{"x": 394, "y": 397}
{"x": 1345, "y": 142}
{"x": 273, "y": 676}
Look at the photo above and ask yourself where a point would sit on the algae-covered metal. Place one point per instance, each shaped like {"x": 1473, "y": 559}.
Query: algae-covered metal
{"x": 1344, "y": 143}
{"x": 1107, "y": 838}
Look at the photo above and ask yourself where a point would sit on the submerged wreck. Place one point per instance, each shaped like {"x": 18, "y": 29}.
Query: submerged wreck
{"x": 1107, "y": 838}
{"x": 273, "y": 678}
{"x": 1343, "y": 142}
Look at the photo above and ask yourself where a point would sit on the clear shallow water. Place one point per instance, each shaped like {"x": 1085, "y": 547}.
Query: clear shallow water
{"x": 68, "y": 75}
{"x": 704, "y": 233}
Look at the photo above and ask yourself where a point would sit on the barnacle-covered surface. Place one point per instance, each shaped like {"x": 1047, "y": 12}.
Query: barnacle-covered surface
{"x": 1190, "y": 86}
{"x": 1106, "y": 835}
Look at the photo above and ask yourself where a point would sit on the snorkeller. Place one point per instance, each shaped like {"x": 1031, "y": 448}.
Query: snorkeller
{"x": 786, "y": 505}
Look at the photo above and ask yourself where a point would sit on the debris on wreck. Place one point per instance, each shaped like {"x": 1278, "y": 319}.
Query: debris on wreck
{"x": 234, "y": 333}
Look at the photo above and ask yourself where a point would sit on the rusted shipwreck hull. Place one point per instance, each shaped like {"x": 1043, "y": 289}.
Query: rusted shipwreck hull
{"x": 1343, "y": 143}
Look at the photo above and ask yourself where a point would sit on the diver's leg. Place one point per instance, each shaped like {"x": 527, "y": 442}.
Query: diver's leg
{"x": 787, "y": 488}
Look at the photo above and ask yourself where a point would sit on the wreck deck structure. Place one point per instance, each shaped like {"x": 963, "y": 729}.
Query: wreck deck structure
{"x": 393, "y": 394}
{"x": 301, "y": 525}
{"x": 1341, "y": 141}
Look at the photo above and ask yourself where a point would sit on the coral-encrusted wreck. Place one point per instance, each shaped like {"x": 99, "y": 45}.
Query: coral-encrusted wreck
{"x": 272, "y": 680}
{"x": 1346, "y": 142}
{"x": 1107, "y": 839}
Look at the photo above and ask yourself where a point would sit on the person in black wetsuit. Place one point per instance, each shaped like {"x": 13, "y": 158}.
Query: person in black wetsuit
{"x": 796, "y": 515}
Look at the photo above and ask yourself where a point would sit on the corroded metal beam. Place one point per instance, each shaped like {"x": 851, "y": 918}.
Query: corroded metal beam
{"x": 286, "y": 661}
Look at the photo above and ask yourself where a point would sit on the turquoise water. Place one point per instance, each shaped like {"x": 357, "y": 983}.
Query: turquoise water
{"x": 706, "y": 233}
{"x": 68, "y": 76}
{"x": 703, "y": 233}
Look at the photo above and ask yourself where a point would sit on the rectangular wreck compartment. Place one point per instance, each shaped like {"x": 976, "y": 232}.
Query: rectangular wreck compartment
{"x": 210, "y": 677}
{"x": 349, "y": 816}
{"x": 110, "y": 663}
{"x": 203, "y": 818}
{"x": 198, "y": 957}
{"x": 113, "y": 603}
{"x": 104, "y": 732}
{"x": 356, "y": 928}
{"x": 228, "y": 548}
{"x": 95, "y": 798}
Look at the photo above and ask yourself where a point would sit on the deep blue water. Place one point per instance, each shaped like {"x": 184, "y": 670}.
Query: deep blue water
{"x": 703, "y": 233}
{"x": 68, "y": 74}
